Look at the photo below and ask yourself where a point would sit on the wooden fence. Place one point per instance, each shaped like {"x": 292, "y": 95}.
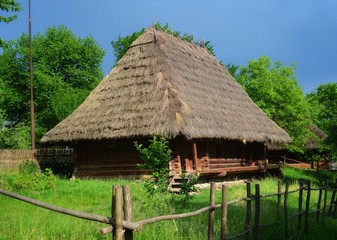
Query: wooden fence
{"x": 123, "y": 227}
{"x": 10, "y": 159}
{"x": 59, "y": 160}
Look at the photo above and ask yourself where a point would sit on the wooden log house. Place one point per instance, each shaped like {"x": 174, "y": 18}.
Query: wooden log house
{"x": 173, "y": 88}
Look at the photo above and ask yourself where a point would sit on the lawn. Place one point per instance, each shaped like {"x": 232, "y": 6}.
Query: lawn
{"x": 19, "y": 220}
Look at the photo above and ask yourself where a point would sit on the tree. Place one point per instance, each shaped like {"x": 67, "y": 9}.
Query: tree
{"x": 156, "y": 157}
{"x": 65, "y": 69}
{"x": 274, "y": 88}
{"x": 324, "y": 102}
{"x": 8, "y": 6}
{"x": 121, "y": 45}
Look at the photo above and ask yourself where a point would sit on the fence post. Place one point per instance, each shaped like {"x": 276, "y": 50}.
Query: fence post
{"x": 118, "y": 213}
{"x": 300, "y": 203}
{"x": 319, "y": 202}
{"x": 257, "y": 212}
{"x": 127, "y": 211}
{"x": 286, "y": 220}
{"x": 211, "y": 212}
{"x": 249, "y": 209}
{"x": 324, "y": 200}
{"x": 113, "y": 206}
{"x": 332, "y": 198}
{"x": 307, "y": 206}
{"x": 279, "y": 190}
{"x": 224, "y": 212}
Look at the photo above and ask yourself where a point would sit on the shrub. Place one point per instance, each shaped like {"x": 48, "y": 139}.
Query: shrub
{"x": 28, "y": 167}
{"x": 156, "y": 157}
{"x": 188, "y": 186}
{"x": 30, "y": 178}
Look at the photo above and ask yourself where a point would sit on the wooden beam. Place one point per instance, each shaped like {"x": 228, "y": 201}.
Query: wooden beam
{"x": 195, "y": 157}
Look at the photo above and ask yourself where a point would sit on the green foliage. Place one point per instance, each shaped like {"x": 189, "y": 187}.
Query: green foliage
{"x": 232, "y": 69}
{"x": 188, "y": 186}
{"x": 324, "y": 113}
{"x": 121, "y": 45}
{"x": 274, "y": 88}
{"x": 156, "y": 157}
{"x": 66, "y": 69}
{"x": 294, "y": 174}
{"x": 8, "y": 6}
{"x": 28, "y": 167}
{"x": 15, "y": 138}
{"x": 30, "y": 178}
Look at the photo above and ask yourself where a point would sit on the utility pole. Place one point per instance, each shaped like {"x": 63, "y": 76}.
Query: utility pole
{"x": 32, "y": 121}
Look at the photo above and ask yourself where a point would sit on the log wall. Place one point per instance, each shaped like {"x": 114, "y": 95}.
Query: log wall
{"x": 107, "y": 159}
{"x": 120, "y": 157}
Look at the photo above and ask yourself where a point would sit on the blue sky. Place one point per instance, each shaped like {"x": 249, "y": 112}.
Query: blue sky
{"x": 300, "y": 31}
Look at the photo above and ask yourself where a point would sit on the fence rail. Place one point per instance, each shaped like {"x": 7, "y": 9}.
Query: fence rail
{"x": 122, "y": 225}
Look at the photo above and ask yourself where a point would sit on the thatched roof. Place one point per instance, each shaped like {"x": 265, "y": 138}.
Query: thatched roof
{"x": 315, "y": 141}
{"x": 170, "y": 87}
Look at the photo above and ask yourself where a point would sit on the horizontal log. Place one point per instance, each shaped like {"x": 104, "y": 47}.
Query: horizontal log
{"x": 226, "y": 160}
{"x": 214, "y": 171}
{"x": 111, "y": 161}
{"x": 226, "y": 165}
{"x": 108, "y": 166}
{"x": 106, "y": 156}
{"x": 78, "y": 214}
{"x": 112, "y": 173}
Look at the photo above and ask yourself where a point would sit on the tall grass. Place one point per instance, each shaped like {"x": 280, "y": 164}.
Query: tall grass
{"x": 20, "y": 220}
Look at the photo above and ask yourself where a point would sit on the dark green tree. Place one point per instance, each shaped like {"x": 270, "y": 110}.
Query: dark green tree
{"x": 121, "y": 45}
{"x": 324, "y": 113}
{"x": 65, "y": 69}
{"x": 10, "y": 7}
{"x": 274, "y": 88}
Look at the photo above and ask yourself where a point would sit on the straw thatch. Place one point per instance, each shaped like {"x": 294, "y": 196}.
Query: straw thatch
{"x": 170, "y": 87}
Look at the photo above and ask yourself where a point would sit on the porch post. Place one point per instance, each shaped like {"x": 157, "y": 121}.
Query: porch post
{"x": 195, "y": 157}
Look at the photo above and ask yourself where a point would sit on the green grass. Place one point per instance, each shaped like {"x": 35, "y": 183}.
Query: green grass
{"x": 19, "y": 220}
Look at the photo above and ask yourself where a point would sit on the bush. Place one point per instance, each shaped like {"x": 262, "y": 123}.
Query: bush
{"x": 28, "y": 167}
{"x": 156, "y": 157}
{"x": 188, "y": 186}
{"x": 30, "y": 178}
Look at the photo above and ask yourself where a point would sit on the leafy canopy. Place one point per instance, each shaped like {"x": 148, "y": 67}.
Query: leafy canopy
{"x": 8, "y": 6}
{"x": 121, "y": 45}
{"x": 65, "y": 69}
{"x": 324, "y": 102}
{"x": 274, "y": 88}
